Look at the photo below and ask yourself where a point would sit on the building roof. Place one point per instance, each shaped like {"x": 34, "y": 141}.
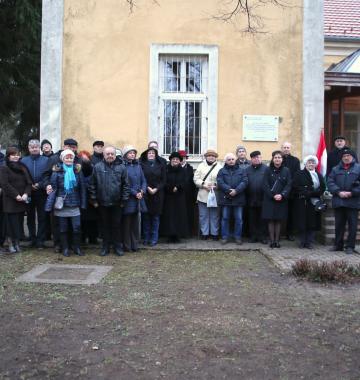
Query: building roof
{"x": 350, "y": 64}
{"x": 342, "y": 19}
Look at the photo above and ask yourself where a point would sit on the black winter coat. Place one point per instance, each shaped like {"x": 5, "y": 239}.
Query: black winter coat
{"x": 155, "y": 174}
{"x": 334, "y": 157}
{"x": 303, "y": 188}
{"x": 15, "y": 180}
{"x": 341, "y": 179}
{"x": 231, "y": 177}
{"x": 109, "y": 185}
{"x": 174, "y": 220}
{"x": 254, "y": 190}
{"x": 276, "y": 181}
{"x": 77, "y": 198}
{"x": 96, "y": 158}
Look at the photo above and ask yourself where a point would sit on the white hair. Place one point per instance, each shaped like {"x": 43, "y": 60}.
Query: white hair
{"x": 228, "y": 155}
{"x": 311, "y": 157}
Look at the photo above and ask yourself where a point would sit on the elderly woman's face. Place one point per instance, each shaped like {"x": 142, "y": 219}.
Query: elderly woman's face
{"x": 14, "y": 157}
{"x": 151, "y": 154}
{"x": 68, "y": 159}
{"x": 175, "y": 161}
{"x": 210, "y": 158}
{"x": 131, "y": 155}
{"x": 277, "y": 160}
{"x": 310, "y": 165}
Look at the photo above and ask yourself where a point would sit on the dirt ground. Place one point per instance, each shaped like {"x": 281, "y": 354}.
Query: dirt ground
{"x": 176, "y": 315}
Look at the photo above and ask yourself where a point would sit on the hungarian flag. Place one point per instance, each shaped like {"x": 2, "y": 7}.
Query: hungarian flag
{"x": 322, "y": 155}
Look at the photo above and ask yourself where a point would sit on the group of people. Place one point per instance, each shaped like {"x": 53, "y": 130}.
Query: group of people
{"x": 125, "y": 198}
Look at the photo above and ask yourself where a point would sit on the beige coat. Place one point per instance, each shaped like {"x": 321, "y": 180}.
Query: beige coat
{"x": 199, "y": 175}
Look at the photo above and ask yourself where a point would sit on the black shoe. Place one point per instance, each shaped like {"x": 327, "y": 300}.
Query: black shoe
{"x": 65, "y": 252}
{"x": 17, "y": 246}
{"x": 276, "y": 244}
{"x": 119, "y": 252}
{"x": 309, "y": 246}
{"x": 78, "y": 251}
{"x": 290, "y": 238}
{"x": 215, "y": 237}
{"x": 204, "y": 237}
{"x": 104, "y": 251}
{"x": 349, "y": 251}
{"x": 336, "y": 249}
{"x": 272, "y": 244}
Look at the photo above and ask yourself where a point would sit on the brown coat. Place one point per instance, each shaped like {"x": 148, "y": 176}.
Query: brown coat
{"x": 14, "y": 180}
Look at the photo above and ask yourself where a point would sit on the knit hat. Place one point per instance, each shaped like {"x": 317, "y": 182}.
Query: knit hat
{"x": 175, "y": 155}
{"x": 45, "y": 142}
{"x": 211, "y": 152}
{"x": 311, "y": 158}
{"x": 348, "y": 151}
{"x": 65, "y": 153}
{"x": 127, "y": 149}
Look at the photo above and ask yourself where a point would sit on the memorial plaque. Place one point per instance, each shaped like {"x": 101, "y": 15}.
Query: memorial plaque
{"x": 260, "y": 128}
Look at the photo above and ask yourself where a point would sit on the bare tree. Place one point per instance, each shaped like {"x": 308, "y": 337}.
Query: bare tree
{"x": 254, "y": 23}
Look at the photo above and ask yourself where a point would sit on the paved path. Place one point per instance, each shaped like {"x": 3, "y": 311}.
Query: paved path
{"x": 283, "y": 257}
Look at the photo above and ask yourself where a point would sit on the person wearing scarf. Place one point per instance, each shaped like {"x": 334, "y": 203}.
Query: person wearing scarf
{"x": 68, "y": 183}
{"x": 308, "y": 186}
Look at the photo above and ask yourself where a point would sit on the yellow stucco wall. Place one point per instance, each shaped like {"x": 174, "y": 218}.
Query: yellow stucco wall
{"x": 106, "y": 68}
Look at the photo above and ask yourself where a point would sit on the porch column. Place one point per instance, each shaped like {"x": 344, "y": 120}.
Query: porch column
{"x": 51, "y": 71}
{"x": 313, "y": 75}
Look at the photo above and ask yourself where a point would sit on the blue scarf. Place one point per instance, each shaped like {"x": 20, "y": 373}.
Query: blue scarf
{"x": 69, "y": 178}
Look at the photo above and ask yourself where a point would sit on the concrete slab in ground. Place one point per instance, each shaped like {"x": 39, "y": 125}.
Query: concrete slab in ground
{"x": 66, "y": 274}
{"x": 283, "y": 257}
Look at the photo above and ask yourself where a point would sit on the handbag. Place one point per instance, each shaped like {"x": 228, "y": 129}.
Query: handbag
{"x": 211, "y": 201}
{"x": 319, "y": 204}
{"x": 59, "y": 203}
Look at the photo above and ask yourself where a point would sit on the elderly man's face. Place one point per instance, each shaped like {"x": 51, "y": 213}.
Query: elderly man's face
{"x": 286, "y": 148}
{"x": 98, "y": 149}
{"x": 109, "y": 155}
{"x": 256, "y": 160}
{"x": 34, "y": 149}
{"x": 347, "y": 158}
{"x": 230, "y": 160}
{"x": 339, "y": 143}
{"x": 241, "y": 154}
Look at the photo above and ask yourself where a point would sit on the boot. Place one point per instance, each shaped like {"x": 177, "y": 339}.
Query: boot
{"x": 64, "y": 244}
{"x": 17, "y": 246}
{"x": 11, "y": 247}
{"x": 104, "y": 250}
{"x": 76, "y": 244}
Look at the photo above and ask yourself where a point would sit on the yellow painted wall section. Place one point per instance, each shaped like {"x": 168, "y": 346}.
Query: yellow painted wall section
{"x": 106, "y": 68}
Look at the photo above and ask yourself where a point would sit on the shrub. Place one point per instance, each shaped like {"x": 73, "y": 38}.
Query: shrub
{"x": 335, "y": 271}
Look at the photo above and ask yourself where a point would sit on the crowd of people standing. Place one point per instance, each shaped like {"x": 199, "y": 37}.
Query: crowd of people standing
{"x": 129, "y": 198}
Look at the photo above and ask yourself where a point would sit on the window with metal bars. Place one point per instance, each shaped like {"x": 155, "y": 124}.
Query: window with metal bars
{"x": 183, "y": 84}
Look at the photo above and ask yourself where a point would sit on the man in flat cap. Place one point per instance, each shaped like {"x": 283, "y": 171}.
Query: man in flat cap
{"x": 344, "y": 185}
{"x": 335, "y": 155}
{"x": 254, "y": 194}
{"x": 97, "y": 156}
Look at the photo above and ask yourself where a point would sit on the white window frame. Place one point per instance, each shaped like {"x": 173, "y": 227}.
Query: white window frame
{"x": 209, "y": 134}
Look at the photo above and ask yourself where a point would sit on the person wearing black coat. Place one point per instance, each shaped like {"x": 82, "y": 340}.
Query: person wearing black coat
{"x": 254, "y": 196}
{"x": 68, "y": 184}
{"x": 231, "y": 184}
{"x": 308, "y": 186}
{"x": 344, "y": 185}
{"x": 190, "y": 189}
{"x": 174, "y": 221}
{"x": 155, "y": 175}
{"x": 293, "y": 164}
{"x": 334, "y": 157}
{"x": 277, "y": 187}
{"x": 15, "y": 182}
{"x": 109, "y": 190}
{"x": 97, "y": 155}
